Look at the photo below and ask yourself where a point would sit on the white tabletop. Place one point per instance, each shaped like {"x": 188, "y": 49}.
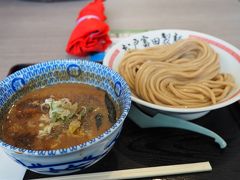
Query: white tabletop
{"x": 34, "y": 31}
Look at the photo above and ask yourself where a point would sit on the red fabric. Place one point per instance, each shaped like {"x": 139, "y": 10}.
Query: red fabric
{"x": 90, "y": 34}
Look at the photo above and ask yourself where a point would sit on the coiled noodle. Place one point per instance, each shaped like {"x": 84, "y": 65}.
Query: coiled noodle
{"x": 183, "y": 74}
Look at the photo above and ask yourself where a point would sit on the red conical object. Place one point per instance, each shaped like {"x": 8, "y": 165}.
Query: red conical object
{"x": 91, "y": 32}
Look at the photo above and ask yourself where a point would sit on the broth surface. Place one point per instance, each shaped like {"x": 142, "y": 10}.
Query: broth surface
{"x": 58, "y": 116}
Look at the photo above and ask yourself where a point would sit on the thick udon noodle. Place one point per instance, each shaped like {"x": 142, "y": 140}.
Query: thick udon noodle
{"x": 183, "y": 74}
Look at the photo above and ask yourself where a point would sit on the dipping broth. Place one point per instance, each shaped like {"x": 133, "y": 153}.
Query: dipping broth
{"x": 58, "y": 116}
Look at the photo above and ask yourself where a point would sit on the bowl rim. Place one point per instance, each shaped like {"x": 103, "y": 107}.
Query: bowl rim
{"x": 221, "y": 104}
{"x": 71, "y": 149}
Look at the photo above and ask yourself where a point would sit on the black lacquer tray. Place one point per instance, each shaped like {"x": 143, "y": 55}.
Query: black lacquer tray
{"x": 137, "y": 147}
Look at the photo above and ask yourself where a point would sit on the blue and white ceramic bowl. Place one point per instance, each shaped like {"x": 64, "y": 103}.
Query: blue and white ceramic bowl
{"x": 63, "y": 161}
